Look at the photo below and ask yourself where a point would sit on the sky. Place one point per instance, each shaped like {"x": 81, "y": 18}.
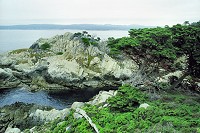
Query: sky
{"x": 142, "y": 12}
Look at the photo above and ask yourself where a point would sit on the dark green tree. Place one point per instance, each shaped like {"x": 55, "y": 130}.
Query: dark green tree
{"x": 153, "y": 47}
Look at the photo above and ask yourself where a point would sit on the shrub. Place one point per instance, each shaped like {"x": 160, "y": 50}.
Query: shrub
{"x": 127, "y": 99}
{"x": 162, "y": 116}
{"x": 45, "y": 46}
{"x": 59, "y": 53}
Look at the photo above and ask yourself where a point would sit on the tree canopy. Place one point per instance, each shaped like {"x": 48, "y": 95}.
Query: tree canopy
{"x": 151, "y": 45}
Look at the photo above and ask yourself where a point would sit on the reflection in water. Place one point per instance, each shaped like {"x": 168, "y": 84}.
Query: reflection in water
{"x": 58, "y": 100}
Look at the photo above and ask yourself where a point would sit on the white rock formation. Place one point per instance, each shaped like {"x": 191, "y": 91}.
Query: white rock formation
{"x": 46, "y": 116}
{"x": 76, "y": 105}
{"x": 84, "y": 114}
{"x": 12, "y": 130}
{"x": 102, "y": 97}
{"x": 144, "y": 105}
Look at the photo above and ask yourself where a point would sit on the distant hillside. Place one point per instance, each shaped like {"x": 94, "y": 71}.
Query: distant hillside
{"x": 72, "y": 26}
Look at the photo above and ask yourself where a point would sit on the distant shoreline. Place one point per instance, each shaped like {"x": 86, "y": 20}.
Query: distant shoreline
{"x": 71, "y": 27}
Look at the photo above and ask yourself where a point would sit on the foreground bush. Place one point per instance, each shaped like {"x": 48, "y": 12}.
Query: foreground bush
{"x": 172, "y": 113}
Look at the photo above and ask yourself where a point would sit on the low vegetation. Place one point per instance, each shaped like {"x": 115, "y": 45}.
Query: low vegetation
{"x": 18, "y": 51}
{"x": 87, "y": 39}
{"x": 173, "y": 112}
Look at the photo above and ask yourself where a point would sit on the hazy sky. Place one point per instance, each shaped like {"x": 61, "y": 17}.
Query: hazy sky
{"x": 144, "y": 12}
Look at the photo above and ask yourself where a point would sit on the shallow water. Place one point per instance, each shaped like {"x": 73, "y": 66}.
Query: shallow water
{"x": 58, "y": 100}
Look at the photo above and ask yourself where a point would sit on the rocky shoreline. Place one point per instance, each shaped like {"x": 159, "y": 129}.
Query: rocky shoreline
{"x": 59, "y": 63}
{"x": 63, "y": 62}
{"x": 20, "y": 116}
{"x": 75, "y": 62}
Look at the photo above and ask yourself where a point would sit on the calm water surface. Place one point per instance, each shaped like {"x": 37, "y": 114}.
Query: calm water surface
{"x": 58, "y": 100}
{"x": 16, "y": 39}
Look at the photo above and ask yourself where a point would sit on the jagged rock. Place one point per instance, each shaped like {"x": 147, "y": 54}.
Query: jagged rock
{"x": 5, "y": 61}
{"x": 4, "y": 74}
{"x": 46, "y": 116}
{"x": 79, "y": 67}
{"x": 7, "y": 80}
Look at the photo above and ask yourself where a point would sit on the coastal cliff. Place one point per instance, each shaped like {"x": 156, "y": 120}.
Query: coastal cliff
{"x": 63, "y": 62}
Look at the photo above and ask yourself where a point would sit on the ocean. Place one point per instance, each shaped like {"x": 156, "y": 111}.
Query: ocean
{"x": 16, "y": 39}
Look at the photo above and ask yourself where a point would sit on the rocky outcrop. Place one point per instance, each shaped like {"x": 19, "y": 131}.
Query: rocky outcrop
{"x": 7, "y": 79}
{"x": 17, "y": 115}
{"x": 64, "y": 62}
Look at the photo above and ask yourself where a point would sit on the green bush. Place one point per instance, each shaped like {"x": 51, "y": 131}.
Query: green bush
{"x": 127, "y": 99}
{"x": 87, "y": 39}
{"x": 59, "y": 53}
{"x": 45, "y": 46}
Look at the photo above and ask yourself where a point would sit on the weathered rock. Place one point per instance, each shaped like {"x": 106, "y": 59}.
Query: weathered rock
{"x": 46, "y": 116}
{"x": 17, "y": 115}
{"x": 4, "y": 74}
{"x": 12, "y": 130}
{"x": 102, "y": 97}
{"x": 79, "y": 67}
{"x": 77, "y": 115}
{"x": 7, "y": 79}
{"x": 77, "y": 105}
